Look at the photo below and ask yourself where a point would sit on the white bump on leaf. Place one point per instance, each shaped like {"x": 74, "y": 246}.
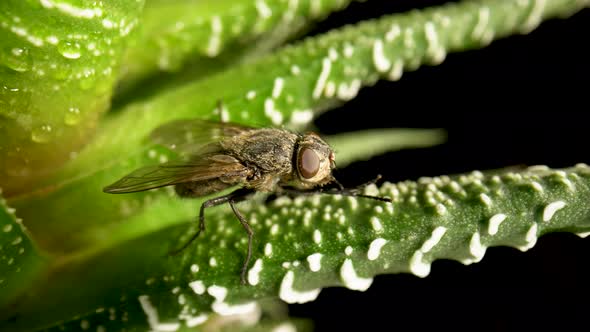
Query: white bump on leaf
{"x": 288, "y": 294}
{"x": 551, "y": 208}
{"x": 434, "y": 239}
{"x": 315, "y": 262}
{"x": 351, "y": 280}
{"x": 375, "y": 248}
{"x": 495, "y": 222}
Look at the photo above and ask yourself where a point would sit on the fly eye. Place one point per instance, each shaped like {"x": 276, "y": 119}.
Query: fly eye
{"x": 309, "y": 163}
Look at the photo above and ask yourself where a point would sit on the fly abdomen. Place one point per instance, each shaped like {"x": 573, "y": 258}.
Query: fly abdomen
{"x": 201, "y": 188}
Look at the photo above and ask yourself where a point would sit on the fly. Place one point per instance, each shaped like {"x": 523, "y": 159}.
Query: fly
{"x": 220, "y": 155}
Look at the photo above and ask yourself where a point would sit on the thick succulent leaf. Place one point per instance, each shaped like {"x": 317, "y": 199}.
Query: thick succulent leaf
{"x": 58, "y": 63}
{"x": 20, "y": 261}
{"x": 363, "y": 145}
{"x": 203, "y": 37}
{"x": 101, "y": 236}
{"x": 305, "y": 244}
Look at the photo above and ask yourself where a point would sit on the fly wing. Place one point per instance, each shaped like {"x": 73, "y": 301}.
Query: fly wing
{"x": 190, "y": 136}
{"x": 205, "y": 168}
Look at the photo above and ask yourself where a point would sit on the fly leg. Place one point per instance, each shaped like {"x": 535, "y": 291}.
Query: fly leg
{"x": 355, "y": 191}
{"x": 244, "y": 223}
{"x": 341, "y": 191}
{"x": 345, "y": 192}
{"x": 208, "y": 203}
{"x": 233, "y": 197}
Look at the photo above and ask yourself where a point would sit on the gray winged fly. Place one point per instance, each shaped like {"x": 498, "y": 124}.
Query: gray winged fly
{"x": 221, "y": 155}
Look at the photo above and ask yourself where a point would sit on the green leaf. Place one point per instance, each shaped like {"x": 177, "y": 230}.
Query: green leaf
{"x": 306, "y": 244}
{"x": 194, "y": 38}
{"x": 20, "y": 260}
{"x": 362, "y": 145}
{"x": 58, "y": 63}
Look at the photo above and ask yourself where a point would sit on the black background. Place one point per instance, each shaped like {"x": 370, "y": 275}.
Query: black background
{"x": 521, "y": 100}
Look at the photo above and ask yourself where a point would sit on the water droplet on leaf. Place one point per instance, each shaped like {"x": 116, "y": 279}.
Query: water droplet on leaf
{"x": 70, "y": 50}
{"x": 72, "y": 116}
{"x": 41, "y": 134}
{"x": 17, "y": 59}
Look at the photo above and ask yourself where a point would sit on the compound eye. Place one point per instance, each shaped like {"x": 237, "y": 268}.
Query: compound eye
{"x": 309, "y": 163}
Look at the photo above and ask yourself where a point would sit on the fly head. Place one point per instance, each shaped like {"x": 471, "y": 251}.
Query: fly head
{"x": 314, "y": 161}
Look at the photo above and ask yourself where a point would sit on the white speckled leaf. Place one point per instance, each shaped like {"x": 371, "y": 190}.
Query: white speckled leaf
{"x": 203, "y": 37}
{"x": 306, "y": 244}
